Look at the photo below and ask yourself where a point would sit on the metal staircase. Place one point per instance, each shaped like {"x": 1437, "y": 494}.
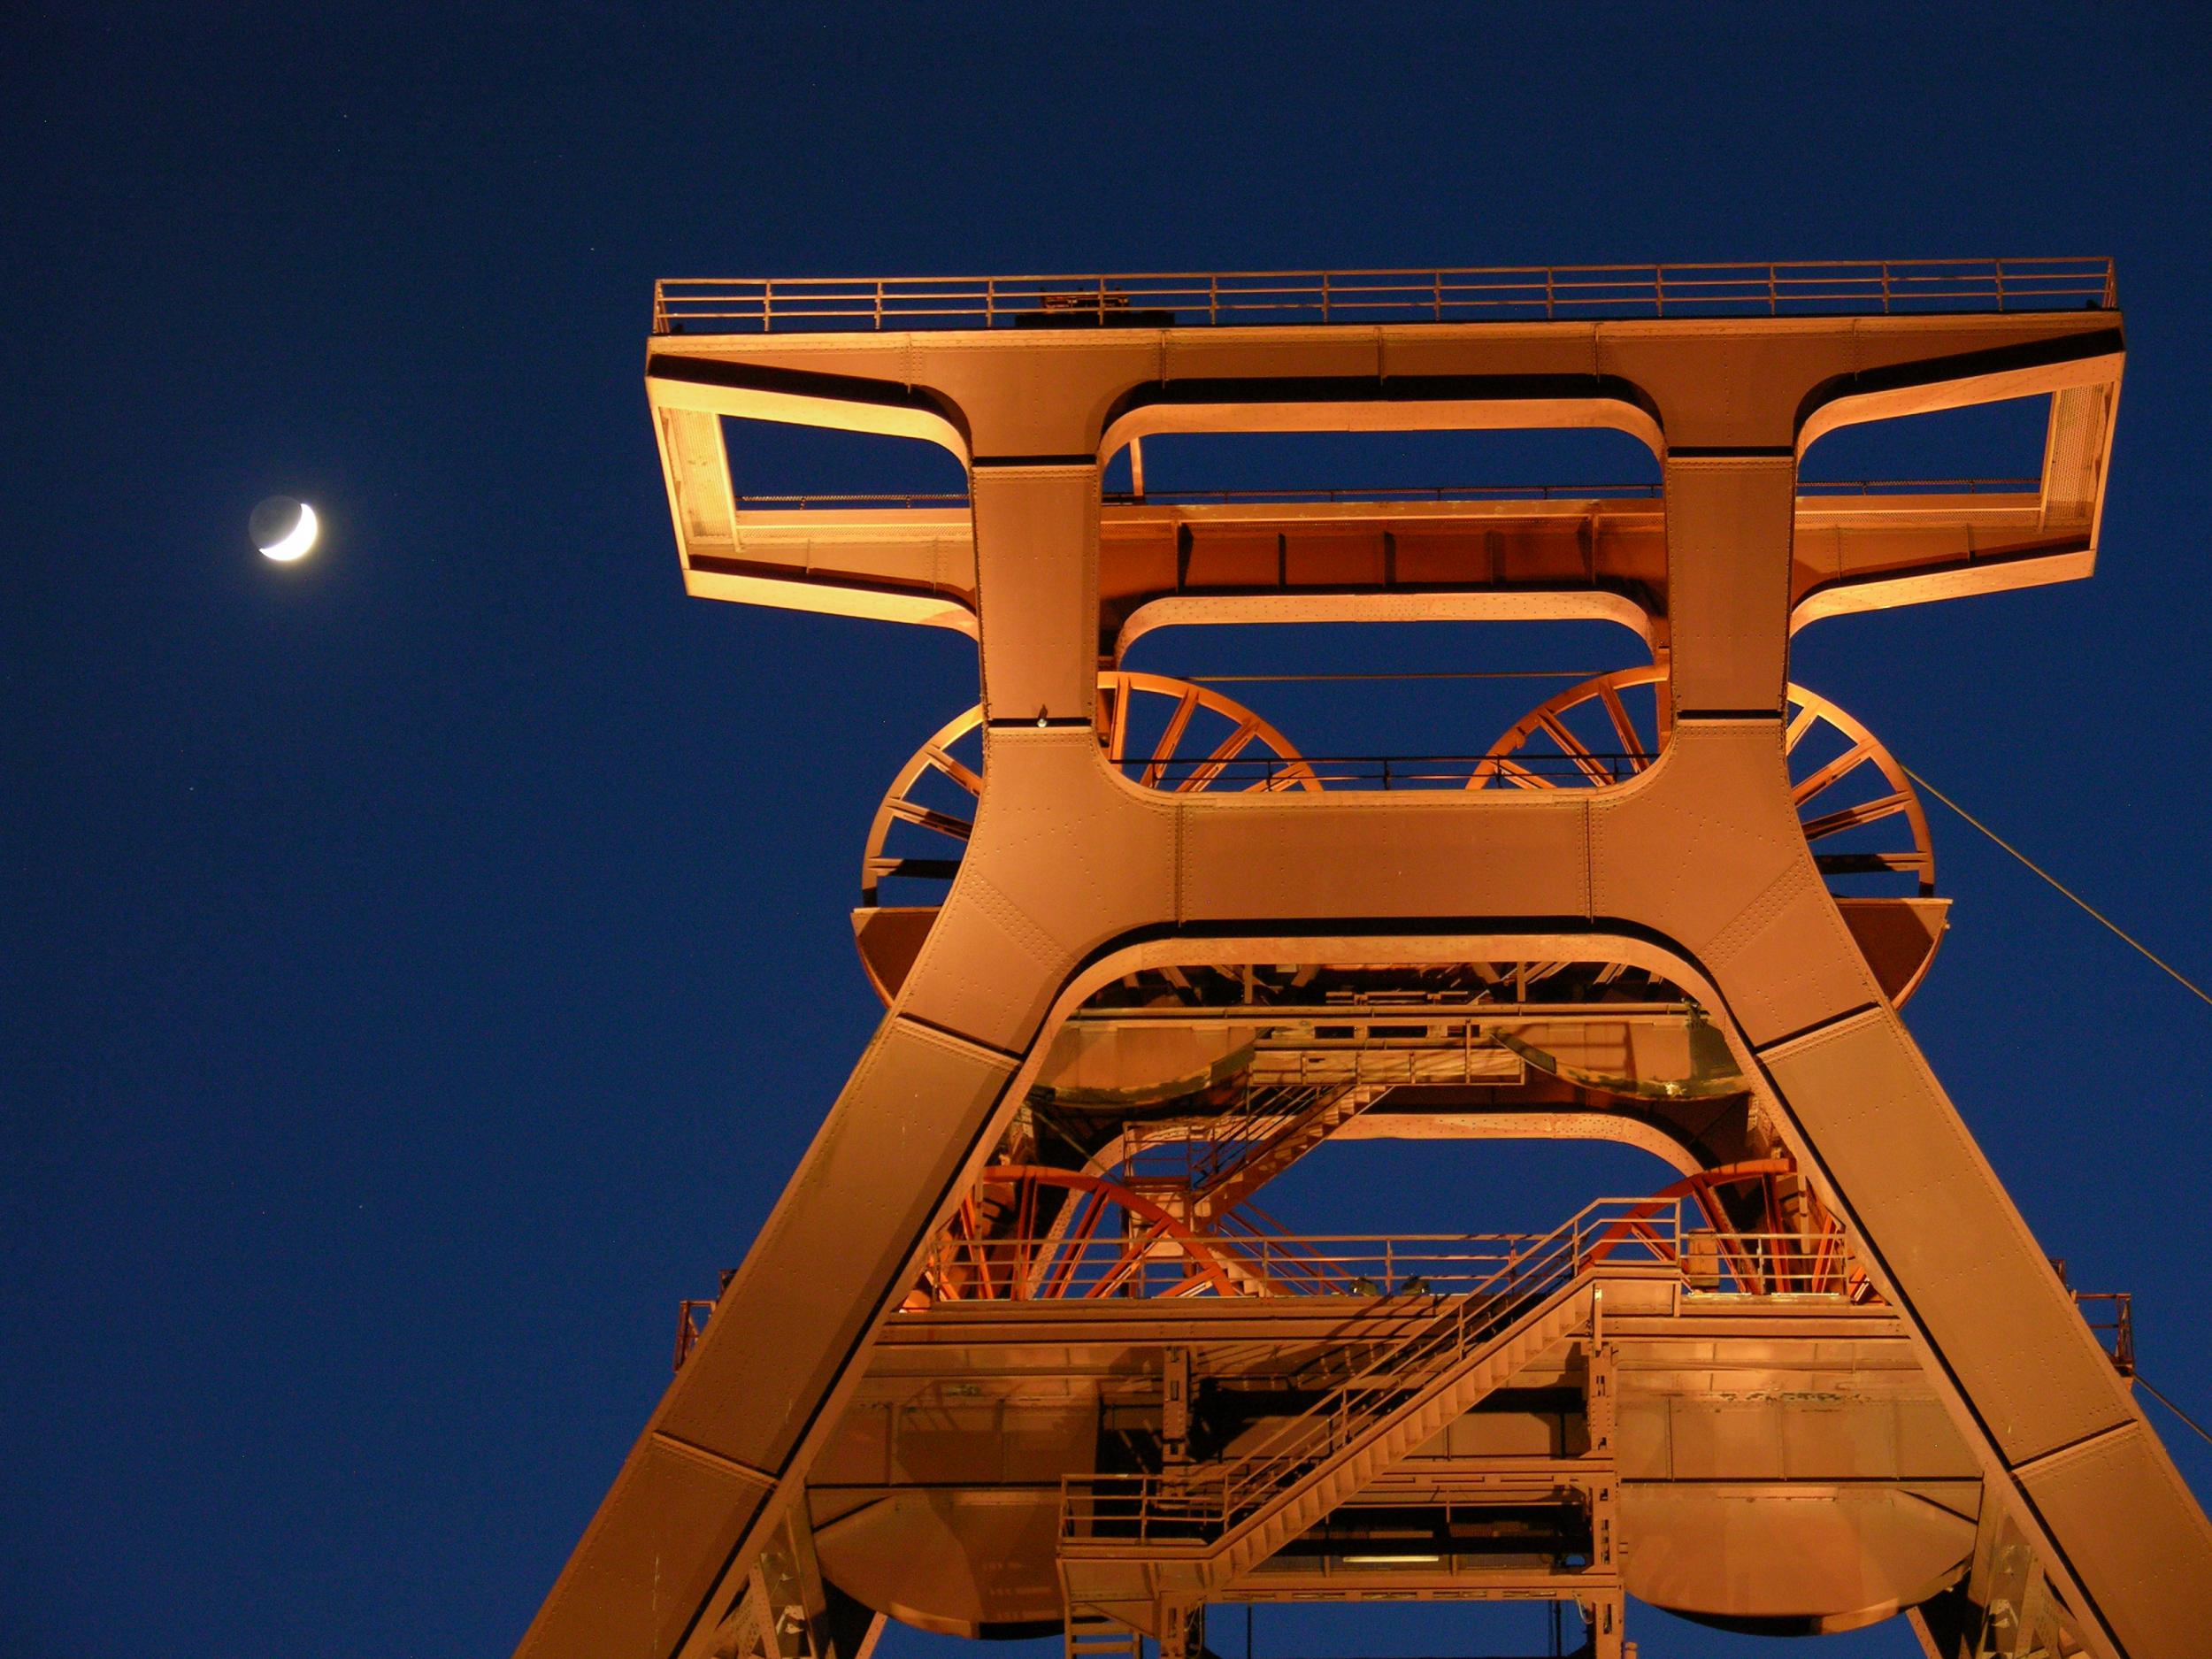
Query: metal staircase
{"x": 1092, "y": 1634}
{"x": 1132, "y": 1545}
{"x": 1274, "y": 1138}
{"x": 1377, "y": 1421}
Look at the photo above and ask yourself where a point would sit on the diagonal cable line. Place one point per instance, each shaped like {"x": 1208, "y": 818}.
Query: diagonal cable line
{"x": 2171, "y": 1406}
{"x": 2150, "y": 955}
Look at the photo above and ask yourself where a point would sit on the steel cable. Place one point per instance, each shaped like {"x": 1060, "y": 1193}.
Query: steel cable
{"x": 2170, "y": 1406}
{"x": 2147, "y": 953}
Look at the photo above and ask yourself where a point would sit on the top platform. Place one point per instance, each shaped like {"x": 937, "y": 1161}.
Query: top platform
{"x": 1706, "y": 366}
{"x": 1811, "y": 287}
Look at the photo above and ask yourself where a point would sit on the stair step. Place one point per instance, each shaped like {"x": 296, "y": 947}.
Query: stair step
{"x": 1444, "y": 1370}
{"x": 1089, "y": 1635}
{"x": 1324, "y": 1481}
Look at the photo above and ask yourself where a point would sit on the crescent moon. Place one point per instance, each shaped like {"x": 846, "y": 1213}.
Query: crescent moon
{"x": 301, "y": 538}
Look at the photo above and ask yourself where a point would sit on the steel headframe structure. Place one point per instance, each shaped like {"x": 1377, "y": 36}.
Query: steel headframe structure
{"x": 1018, "y": 1353}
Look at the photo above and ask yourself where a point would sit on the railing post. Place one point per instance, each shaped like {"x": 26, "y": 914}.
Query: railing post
{"x": 767, "y": 305}
{"x": 879, "y": 304}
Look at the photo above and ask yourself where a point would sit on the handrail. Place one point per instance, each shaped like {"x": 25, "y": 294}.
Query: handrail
{"x": 1194, "y": 1509}
{"x": 1269, "y": 773}
{"x": 1256, "y": 1125}
{"x": 1192, "y": 1505}
{"x": 1329, "y": 1424}
{"x": 691, "y": 1324}
{"x": 1265, "y": 1261}
{"x": 1796, "y": 287}
{"x": 2116, "y": 1332}
{"x": 1394, "y": 493}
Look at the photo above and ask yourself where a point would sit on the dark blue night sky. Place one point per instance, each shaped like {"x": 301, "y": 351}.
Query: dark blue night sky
{"x": 424, "y": 965}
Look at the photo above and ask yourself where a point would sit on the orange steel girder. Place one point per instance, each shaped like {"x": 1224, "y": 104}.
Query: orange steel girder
{"x": 1696, "y": 868}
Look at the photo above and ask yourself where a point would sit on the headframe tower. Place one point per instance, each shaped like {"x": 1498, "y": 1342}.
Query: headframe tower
{"x": 1016, "y": 1352}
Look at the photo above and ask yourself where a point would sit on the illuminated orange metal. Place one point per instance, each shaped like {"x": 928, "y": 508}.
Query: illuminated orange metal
{"x": 1468, "y": 293}
{"x": 1108, "y": 968}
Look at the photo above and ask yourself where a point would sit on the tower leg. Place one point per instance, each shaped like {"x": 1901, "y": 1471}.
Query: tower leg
{"x": 2066, "y": 1450}
{"x": 677, "y": 1538}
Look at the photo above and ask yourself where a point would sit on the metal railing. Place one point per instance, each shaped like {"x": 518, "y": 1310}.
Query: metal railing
{"x": 1920, "y": 486}
{"x": 1797, "y": 287}
{"x": 1194, "y": 1506}
{"x": 692, "y": 1315}
{"x": 1268, "y": 1261}
{"x": 1163, "y": 1265}
{"x": 1255, "y": 1124}
{"x": 2110, "y": 1317}
{"x": 1389, "y": 495}
{"x": 1257, "y": 1257}
{"x": 1275, "y": 774}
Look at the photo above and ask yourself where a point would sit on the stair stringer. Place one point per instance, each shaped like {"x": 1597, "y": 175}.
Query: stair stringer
{"x": 1133, "y": 1583}
{"x": 1130, "y": 1582}
{"x": 1308, "y": 1128}
{"x": 1398, "y": 1434}
{"x": 1096, "y": 1633}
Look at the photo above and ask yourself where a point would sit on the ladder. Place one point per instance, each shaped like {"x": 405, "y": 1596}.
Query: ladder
{"x": 1091, "y": 1634}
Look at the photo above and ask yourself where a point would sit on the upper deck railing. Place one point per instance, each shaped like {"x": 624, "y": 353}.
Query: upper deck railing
{"x": 1802, "y": 288}
{"x": 1388, "y": 495}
